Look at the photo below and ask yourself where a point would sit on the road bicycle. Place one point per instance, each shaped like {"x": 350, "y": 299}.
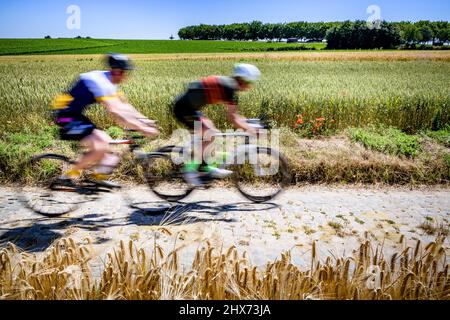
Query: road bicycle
{"x": 259, "y": 173}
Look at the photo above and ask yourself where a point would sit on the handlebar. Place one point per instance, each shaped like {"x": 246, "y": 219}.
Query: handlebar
{"x": 133, "y": 135}
{"x": 257, "y": 124}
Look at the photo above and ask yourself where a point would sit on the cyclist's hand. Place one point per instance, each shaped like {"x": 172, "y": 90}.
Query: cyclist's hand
{"x": 150, "y": 132}
{"x": 253, "y": 128}
{"x": 148, "y": 122}
{"x": 252, "y": 131}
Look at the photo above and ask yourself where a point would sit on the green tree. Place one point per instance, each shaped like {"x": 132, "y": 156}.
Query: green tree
{"x": 255, "y": 29}
{"x": 410, "y": 34}
{"x": 356, "y": 35}
{"x": 426, "y": 33}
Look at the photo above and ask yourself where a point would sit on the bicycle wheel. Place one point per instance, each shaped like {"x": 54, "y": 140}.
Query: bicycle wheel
{"x": 164, "y": 177}
{"x": 260, "y": 174}
{"x": 48, "y": 197}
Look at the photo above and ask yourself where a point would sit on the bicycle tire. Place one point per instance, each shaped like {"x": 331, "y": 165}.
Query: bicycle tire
{"x": 164, "y": 177}
{"x": 45, "y": 197}
{"x": 281, "y": 179}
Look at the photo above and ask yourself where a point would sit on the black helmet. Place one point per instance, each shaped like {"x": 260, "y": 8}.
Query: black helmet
{"x": 119, "y": 61}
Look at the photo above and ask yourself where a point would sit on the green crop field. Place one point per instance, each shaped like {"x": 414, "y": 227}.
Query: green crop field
{"x": 95, "y": 46}
{"x": 410, "y": 94}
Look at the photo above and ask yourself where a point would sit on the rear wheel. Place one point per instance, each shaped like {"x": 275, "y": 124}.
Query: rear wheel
{"x": 165, "y": 178}
{"x": 260, "y": 174}
{"x": 49, "y": 196}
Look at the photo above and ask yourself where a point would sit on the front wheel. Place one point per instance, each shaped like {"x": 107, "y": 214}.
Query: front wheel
{"x": 260, "y": 174}
{"x": 47, "y": 196}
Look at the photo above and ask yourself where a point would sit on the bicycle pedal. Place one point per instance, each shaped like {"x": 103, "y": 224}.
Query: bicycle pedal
{"x": 63, "y": 184}
{"x": 87, "y": 192}
{"x": 98, "y": 184}
{"x": 206, "y": 179}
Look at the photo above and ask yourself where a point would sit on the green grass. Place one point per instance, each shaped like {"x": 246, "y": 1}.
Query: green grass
{"x": 53, "y": 46}
{"x": 115, "y": 132}
{"x": 16, "y": 149}
{"x": 447, "y": 160}
{"x": 100, "y": 46}
{"x": 387, "y": 140}
{"x": 442, "y": 136}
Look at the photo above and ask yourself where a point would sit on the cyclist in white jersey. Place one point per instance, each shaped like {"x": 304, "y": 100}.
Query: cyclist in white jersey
{"x": 97, "y": 87}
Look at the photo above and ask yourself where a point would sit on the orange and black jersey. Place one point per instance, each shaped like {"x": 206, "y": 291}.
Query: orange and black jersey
{"x": 212, "y": 90}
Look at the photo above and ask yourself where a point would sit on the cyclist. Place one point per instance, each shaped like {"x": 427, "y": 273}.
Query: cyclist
{"x": 213, "y": 90}
{"x": 97, "y": 87}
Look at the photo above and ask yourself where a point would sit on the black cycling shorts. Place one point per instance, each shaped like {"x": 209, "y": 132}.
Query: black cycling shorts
{"x": 74, "y": 127}
{"x": 185, "y": 113}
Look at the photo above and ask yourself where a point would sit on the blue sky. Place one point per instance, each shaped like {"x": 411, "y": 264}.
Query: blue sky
{"x": 158, "y": 19}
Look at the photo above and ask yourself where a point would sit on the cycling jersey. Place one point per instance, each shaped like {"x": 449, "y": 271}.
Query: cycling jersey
{"x": 92, "y": 87}
{"x": 210, "y": 90}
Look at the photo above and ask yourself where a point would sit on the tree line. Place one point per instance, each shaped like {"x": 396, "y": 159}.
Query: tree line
{"x": 257, "y": 30}
{"x": 339, "y": 35}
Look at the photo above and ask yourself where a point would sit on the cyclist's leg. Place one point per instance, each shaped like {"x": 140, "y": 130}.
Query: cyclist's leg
{"x": 208, "y": 132}
{"x": 97, "y": 144}
{"x": 195, "y": 120}
{"x": 99, "y": 155}
{"x": 76, "y": 127}
{"x": 185, "y": 114}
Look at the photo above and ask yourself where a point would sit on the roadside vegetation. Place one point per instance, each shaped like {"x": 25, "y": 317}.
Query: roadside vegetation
{"x": 441, "y": 136}
{"x": 386, "y": 140}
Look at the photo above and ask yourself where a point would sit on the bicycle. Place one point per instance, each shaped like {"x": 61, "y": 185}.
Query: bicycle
{"x": 51, "y": 197}
{"x": 163, "y": 174}
{"x": 257, "y": 179}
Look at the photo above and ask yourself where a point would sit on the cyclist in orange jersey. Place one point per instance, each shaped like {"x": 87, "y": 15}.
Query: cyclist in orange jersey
{"x": 214, "y": 90}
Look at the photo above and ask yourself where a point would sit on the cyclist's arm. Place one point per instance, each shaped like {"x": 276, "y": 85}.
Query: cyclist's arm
{"x": 237, "y": 120}
{"x": 122, "y": 97}
{"x": 134, "y": 112}
{"x": 140, "y": 116}
{"x": 127, "y": 116}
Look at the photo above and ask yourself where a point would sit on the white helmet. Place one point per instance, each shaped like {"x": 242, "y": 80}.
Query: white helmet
{"x": 247, "y": 72}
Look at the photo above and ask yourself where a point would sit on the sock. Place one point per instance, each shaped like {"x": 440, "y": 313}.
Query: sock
{"x": 106, "y": 170}
{"x": 100, "y": 176}
{"x": 72, "y": 174}
{"x": 204, "y": 167}
{"x": 191, "y": 166}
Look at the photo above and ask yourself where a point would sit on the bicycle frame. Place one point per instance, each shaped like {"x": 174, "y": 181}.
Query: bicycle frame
{"x": 189, "y": 148}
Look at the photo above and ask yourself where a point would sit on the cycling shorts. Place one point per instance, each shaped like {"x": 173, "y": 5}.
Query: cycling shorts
{"x": 185, "y": 113}
{"x": 74, "y": 127}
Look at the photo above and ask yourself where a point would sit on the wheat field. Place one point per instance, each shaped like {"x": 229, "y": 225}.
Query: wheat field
{"x": 129, "y": 272}
{"x": 403, "y": 89}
